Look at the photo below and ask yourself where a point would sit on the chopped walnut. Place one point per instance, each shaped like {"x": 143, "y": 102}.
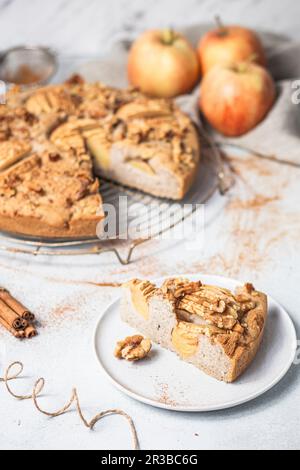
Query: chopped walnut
{"x": 5, "y": 134}
{"x": 54, "y": 157}
{"x": 85, "y": 188}
{"x": 220, "y": 308}
{"x": 245, "y": 307}
{"x": 118, "y": 130}
{"x": 178, "y": 288}
{"x": 249, "y": 287}
{"x": 255, "y": 323}
{"x": 36, "y": 188}
{"x": 30, "y": 118}
{"x": 133, "y": 348}
{"x": 185, "y": 289}
{"x": 7, "y": 191}
{"x": 75, "y": 79}
{"x": 229, "y": 342}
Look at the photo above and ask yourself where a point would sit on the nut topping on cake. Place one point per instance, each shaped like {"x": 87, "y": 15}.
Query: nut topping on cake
{"x": 54, "y": 157}
{"x": 178, "y": 288}
{"x": 227, "y": 314}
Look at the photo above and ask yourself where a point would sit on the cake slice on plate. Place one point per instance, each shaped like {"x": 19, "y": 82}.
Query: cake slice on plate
{"x": 210, "y": 327}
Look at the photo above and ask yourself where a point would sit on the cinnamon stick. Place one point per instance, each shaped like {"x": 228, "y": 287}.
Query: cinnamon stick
{"x": 30, "y": 332}
{"x": 11, "y": 317}
{"x": 17, "y": 334}
{"x": 15, "y": 305}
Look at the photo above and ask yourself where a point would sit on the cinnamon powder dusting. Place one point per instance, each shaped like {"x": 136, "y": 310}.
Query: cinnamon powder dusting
{"x": 257, "y": 219}
{"x": 62, "y": 310}
{"x": 164, "y": 396}
{"x": 257, "y": 202}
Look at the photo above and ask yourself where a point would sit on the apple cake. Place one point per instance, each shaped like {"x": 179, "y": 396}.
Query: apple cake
{"x": 212, "y": 328}
{"x": 56, "y": 140}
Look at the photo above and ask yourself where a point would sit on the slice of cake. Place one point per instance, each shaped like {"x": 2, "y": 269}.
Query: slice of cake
{"x": 149, "y": 145}
{"x": 50, "y": 194}
{"x": 145, "y": 144}
{"x": 210, "y": 327}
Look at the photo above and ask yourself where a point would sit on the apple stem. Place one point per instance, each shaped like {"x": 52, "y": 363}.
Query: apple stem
{"x": 168, "y": 36}
{"x": 220, "y": 24}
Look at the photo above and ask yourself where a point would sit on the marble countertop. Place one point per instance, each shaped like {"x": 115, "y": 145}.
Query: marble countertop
{"x": 255, "y": 237}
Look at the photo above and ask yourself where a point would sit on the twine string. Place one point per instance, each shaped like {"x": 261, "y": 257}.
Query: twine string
{"x": 14, "y": 371}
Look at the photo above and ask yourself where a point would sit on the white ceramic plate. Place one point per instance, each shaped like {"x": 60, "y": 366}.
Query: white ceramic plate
{"x": 164, "y": 381}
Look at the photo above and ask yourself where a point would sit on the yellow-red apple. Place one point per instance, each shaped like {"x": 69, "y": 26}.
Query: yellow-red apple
{"x": 227, "y": 44}
{"x": 162, "y": 63}
{"x": 235, "y": 98}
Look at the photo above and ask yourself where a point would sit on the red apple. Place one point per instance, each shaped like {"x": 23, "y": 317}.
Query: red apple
{"x": 235, "y": 98}
{"x": 163, "y": 64}
{"x": 228, "y": 44}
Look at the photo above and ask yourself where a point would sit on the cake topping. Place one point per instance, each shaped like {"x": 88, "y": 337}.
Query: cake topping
{"x": 12, "y": 151}
{"x": 54, "y": 157}
{"x": 141, "y": 291}
{"x": 231, "y": 319}
{"x": 178, "y": 288}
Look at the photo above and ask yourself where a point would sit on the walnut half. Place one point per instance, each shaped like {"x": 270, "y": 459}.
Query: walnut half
{"x": 133, "y": 348}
